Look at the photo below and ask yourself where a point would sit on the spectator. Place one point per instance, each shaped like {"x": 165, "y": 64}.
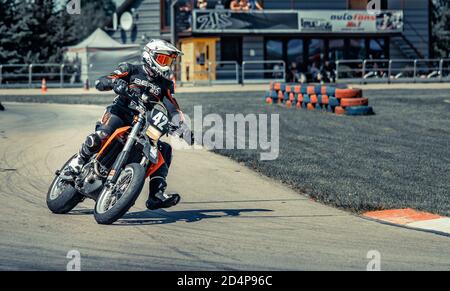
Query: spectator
{"x": 254, "y": 4}
{"x": 202, "y": 4}
{"x": 328, "y": 72}
{"x": 245, "y": 6}
{"x": 293, "y": 73}
{"x": 235, "y": 5}
{"x": 315, "y": 72}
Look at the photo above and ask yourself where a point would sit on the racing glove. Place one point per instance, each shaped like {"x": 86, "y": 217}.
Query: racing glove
{"x": 120, "y": 87}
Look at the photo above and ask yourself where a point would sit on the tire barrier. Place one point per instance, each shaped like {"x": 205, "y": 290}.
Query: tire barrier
{"x": 334, "y": 99}
{"x": 349, "y": 102}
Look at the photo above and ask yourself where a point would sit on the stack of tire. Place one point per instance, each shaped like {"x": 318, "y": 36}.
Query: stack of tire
{"x": 339, "y": 100}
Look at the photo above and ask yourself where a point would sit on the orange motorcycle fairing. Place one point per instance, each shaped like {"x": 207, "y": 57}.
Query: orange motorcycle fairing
{"x": 154, "y": 167}
{"x": 118, "y": 133}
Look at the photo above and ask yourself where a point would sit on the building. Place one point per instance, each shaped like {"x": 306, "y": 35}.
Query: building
{"x": 304, "y": 32}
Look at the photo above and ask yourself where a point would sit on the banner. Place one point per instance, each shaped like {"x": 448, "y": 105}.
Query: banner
{"x": 300, "y": 21}
{"x": 351, "y": 22}
{"x": 210, "y": 21}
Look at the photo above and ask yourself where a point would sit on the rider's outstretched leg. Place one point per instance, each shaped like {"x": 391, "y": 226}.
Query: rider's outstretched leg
{"x": 107, "y": 125}
{"x": 158, "y": 198}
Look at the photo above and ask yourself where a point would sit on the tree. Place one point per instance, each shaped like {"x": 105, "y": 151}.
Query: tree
{"x": 37, "y": 31}
{"x": 440, "y": 21}
{"x": 8, "y": 52}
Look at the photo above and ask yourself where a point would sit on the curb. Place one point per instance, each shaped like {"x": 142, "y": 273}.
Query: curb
{"x": 412, "y": 219}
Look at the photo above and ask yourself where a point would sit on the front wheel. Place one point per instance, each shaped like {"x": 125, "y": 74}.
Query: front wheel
{"x": 62, "y": 197}
{"x": 113, "y": 203}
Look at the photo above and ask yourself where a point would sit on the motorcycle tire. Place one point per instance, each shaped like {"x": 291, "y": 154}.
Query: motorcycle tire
{"x": 125, "y": 202}
{"x": 66, "y": 200}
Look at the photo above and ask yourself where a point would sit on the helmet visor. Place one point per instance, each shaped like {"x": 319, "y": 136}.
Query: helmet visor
{"x": 165, "y": 60}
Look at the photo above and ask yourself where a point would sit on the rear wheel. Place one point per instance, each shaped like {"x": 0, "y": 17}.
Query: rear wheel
{"x": 112, "y": 204}
{"x": 62, "y": 197}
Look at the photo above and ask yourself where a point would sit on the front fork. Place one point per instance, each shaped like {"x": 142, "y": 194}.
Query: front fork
{"x": 125, "y": 153}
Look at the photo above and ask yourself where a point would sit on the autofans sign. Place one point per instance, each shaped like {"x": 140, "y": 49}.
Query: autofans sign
{"x": 351, "y": 22}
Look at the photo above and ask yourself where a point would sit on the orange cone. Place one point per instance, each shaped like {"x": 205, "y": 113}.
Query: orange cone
{"x": 44, "y": 86}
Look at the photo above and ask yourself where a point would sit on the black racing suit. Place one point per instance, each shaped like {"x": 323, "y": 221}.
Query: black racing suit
{"x": 119, "y": 114}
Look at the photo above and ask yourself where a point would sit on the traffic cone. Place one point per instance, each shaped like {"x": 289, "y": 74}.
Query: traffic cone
{"x": 44, "y": 86}
{"x": 86, "y": 85}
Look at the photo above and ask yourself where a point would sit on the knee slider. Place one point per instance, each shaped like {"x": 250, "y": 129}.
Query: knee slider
{"x": 93, "y": 142}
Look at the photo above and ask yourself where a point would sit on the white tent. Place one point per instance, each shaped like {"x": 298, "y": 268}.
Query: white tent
{"x": 100, "y": 54}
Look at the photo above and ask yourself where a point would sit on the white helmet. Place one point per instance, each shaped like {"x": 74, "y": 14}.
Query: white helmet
{"x": 158, "y": 57}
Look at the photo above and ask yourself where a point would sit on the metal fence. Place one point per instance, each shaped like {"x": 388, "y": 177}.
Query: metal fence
{"x": 31, "y": 75}
{"x": 262, "y": 71}
{"x": 393, "y": 71}
{"x": 230, "y": 72}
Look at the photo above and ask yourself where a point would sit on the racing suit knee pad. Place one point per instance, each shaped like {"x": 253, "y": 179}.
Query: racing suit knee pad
{"x": 166, "y": 151}
{"x": 93, "y": 144}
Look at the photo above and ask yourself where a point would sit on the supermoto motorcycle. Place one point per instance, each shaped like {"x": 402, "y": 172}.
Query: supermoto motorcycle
{"x": 115, "y": 176}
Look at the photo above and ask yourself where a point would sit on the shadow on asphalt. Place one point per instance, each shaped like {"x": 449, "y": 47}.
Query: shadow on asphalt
{"x": 148, "y": 217}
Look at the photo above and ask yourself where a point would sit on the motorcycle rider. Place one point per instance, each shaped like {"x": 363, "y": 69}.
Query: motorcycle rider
{"x": 150, "y": 82}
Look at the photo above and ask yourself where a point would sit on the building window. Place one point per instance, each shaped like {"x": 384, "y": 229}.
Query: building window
{"x": 377, "y": 49}
{"x": 336, "y": 49}
{"x": 274, "y": 50}
{"x": 316, "y": 50}
{"x": 356, "y": 49}
{"x": 295, "y": 51}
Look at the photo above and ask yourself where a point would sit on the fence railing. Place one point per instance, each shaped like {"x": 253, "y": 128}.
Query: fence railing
{"x": 261, "y": 71}
{"x": 230, "y": 72}
{"x": 393, "y": 70}
{"x": 210, "y": 73}
{"x": 31, "y": 75}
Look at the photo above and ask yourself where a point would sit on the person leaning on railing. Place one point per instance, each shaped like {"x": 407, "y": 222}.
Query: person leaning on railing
{"x": 202, "y": 4}
{"x": 254, "y": 4}
{"x": 245, "y": 5}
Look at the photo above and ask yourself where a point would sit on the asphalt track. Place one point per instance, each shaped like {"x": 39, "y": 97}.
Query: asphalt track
{"x": 230, "y": 218}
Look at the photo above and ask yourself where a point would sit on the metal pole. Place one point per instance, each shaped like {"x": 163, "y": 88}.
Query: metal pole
{"x": 1, "y": 75}
{"x": 30, "y": 75}
{"x": 173, "y": 31}
{"x": 237, "y": 72}
{"x": 364, "y": 71}
{"x": 415, "y": 71}
{"x": 243, "y": 73}
{"x": 209, "y": 73}
{"x": 389, "y": 71}
{"x": 61, "y": 75}
{"x": 441, "y": 68}
{"x": 337, "y": 71}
